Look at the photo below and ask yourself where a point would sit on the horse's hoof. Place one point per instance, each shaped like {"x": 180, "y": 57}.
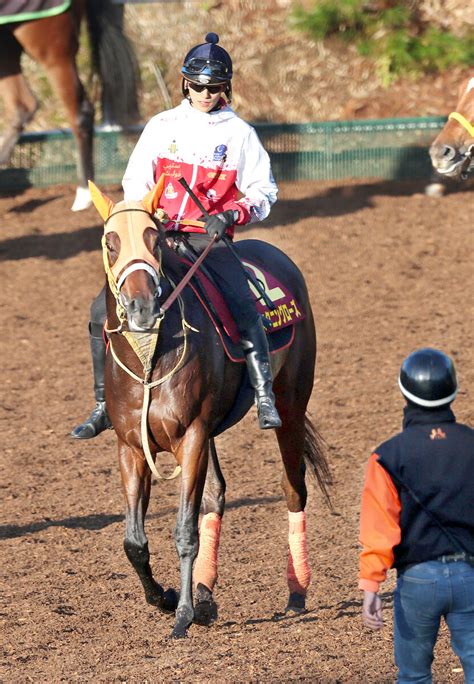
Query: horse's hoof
{"x": 184, "y": 618}
{"x": 296, "y": 604}
{"x": 179, "y": 632}
{"x": 205, "y": 613}
{"x": 205, "y": 608}
{"x": 170, "y": 601}
{"x": 82, "y": 199}
{"x": 435, "y": 190}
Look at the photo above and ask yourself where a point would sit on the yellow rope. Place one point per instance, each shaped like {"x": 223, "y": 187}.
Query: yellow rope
{"x": 463, "y": 121}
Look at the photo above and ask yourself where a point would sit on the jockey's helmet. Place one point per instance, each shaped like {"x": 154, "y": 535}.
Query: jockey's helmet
{"x": 428, "y": 378}
{"x": 207, "y": 63}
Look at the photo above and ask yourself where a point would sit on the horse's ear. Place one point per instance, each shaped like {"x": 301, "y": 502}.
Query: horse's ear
{"x": 151, "y": 201}
{"x": 102, "y": 203}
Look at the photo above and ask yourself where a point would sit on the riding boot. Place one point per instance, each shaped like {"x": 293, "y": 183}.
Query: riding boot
{"x": 98, "y": 420}
{"x": 257, "y": 355}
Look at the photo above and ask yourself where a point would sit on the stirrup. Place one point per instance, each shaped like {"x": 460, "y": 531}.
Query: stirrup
{"x": 268, "y": 417}
{"x": 97, "y": 422}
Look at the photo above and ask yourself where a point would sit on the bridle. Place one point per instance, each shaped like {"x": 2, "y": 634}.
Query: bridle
{"x": 468, "y": 155}
{"x": 469, "y": 127}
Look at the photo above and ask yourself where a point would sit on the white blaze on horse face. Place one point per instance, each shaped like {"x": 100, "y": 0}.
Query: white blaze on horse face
{"x": 470, "y": 85}
{"x": 130, "y": 220}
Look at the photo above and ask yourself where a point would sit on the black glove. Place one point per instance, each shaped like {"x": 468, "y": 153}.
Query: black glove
{"x": 217, "y": 224}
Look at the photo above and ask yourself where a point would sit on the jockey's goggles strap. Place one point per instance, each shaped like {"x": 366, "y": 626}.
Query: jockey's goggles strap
{"x": 463, "y": 121}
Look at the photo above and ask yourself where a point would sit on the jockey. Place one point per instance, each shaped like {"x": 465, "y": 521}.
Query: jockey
{"x": 223, "y": 161}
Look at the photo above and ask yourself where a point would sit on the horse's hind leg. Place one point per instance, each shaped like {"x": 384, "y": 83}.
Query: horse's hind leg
{"x": 291, "y": 440}
{"x": 20, "y": 103}
{"x": 136, "y": 479}
{"x": 205, "y": 565}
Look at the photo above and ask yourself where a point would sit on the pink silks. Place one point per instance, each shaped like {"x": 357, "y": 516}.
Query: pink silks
{"x": 298, "y": 570}
{"x": 205, "y": 565}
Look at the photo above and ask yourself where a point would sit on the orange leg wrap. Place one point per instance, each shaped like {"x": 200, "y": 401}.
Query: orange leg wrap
{"x": 205, "y": 565}
{"x": 298, "y": 571}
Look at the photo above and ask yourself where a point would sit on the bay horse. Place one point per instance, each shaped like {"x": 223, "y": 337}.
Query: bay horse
{"x": 452, "y": 151}
{"x": 174, "y": 393}
{"x": 53, "y": 42}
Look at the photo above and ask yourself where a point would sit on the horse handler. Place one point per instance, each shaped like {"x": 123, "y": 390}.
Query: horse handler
{"x": 418, "y": 516}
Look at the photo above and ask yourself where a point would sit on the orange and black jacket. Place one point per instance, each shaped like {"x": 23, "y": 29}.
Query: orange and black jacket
{"x": 434, "y": 457}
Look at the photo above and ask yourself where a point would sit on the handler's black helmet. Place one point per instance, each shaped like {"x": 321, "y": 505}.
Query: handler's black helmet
{"x": 208, "y": 63}
{"x": 428, "y": 378}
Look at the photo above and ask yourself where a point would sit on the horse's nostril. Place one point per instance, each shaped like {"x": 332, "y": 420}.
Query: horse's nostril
{"x": 448, "y": 152}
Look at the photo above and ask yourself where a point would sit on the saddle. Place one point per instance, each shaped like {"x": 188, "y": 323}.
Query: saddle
{"x": 279, "y": 322}
{"x": 26, "y": 10}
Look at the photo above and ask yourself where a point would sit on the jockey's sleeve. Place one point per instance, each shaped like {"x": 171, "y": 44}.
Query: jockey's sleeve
{"x": 139, "y": 176}
{"x": 379, "y": 525}
{"x": 255, "y": 181}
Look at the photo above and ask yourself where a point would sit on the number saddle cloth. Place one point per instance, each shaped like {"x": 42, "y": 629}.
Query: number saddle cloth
{"x": 279, "y": 324}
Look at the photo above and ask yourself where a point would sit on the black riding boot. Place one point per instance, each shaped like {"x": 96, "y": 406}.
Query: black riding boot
{"x": 98, "y": 420}
{"x": 257, "y": 356}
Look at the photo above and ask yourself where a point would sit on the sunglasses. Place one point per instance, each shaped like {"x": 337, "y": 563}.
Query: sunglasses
{"x": 212, "y": 89}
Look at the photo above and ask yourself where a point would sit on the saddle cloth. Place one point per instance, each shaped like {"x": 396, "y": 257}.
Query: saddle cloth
{"x": 26, "y": 10}
{"x": 278, "y": 322}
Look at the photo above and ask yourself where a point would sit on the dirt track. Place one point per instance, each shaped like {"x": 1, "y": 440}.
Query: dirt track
{"x": 388, "y": 270}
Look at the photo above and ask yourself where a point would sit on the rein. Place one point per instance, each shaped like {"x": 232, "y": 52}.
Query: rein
{"x": 456, "y": 116}
{"x": 185, "y": 280}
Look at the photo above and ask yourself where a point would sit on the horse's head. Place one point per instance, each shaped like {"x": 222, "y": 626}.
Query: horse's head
{"x": 132, "y": 255}
{"x": 452, "y": 152}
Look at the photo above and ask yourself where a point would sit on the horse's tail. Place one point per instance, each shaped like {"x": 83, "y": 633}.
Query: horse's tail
{"x": 315, "y": 458}
{"x": 115, "y": 61}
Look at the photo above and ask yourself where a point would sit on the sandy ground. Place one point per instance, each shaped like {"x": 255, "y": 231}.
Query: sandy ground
{"x": 388, "y": 270}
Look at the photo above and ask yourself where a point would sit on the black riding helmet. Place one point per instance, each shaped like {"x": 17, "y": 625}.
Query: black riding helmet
{"x": 428, "y": 378}
{"x": 208, "y": 64}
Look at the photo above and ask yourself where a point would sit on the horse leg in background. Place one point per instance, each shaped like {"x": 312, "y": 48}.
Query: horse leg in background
{"x": 205, "y": 565}
{"x": 136, "y": 479}
{"x": 192, "y": 455}
{"x": 20, "y": 103}
{"x": 436, "y": 186}
{"x": 58, "y": 57}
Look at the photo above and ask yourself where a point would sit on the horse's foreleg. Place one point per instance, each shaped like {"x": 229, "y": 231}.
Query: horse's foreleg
{"x": 80, "y": 113}
{"x": 205, "y": 566}
{"x": 193, "y": 456}
{"x": 58, "y": 58}
{"x": 291, "y": 439}
{"x": 136, "y": 479}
